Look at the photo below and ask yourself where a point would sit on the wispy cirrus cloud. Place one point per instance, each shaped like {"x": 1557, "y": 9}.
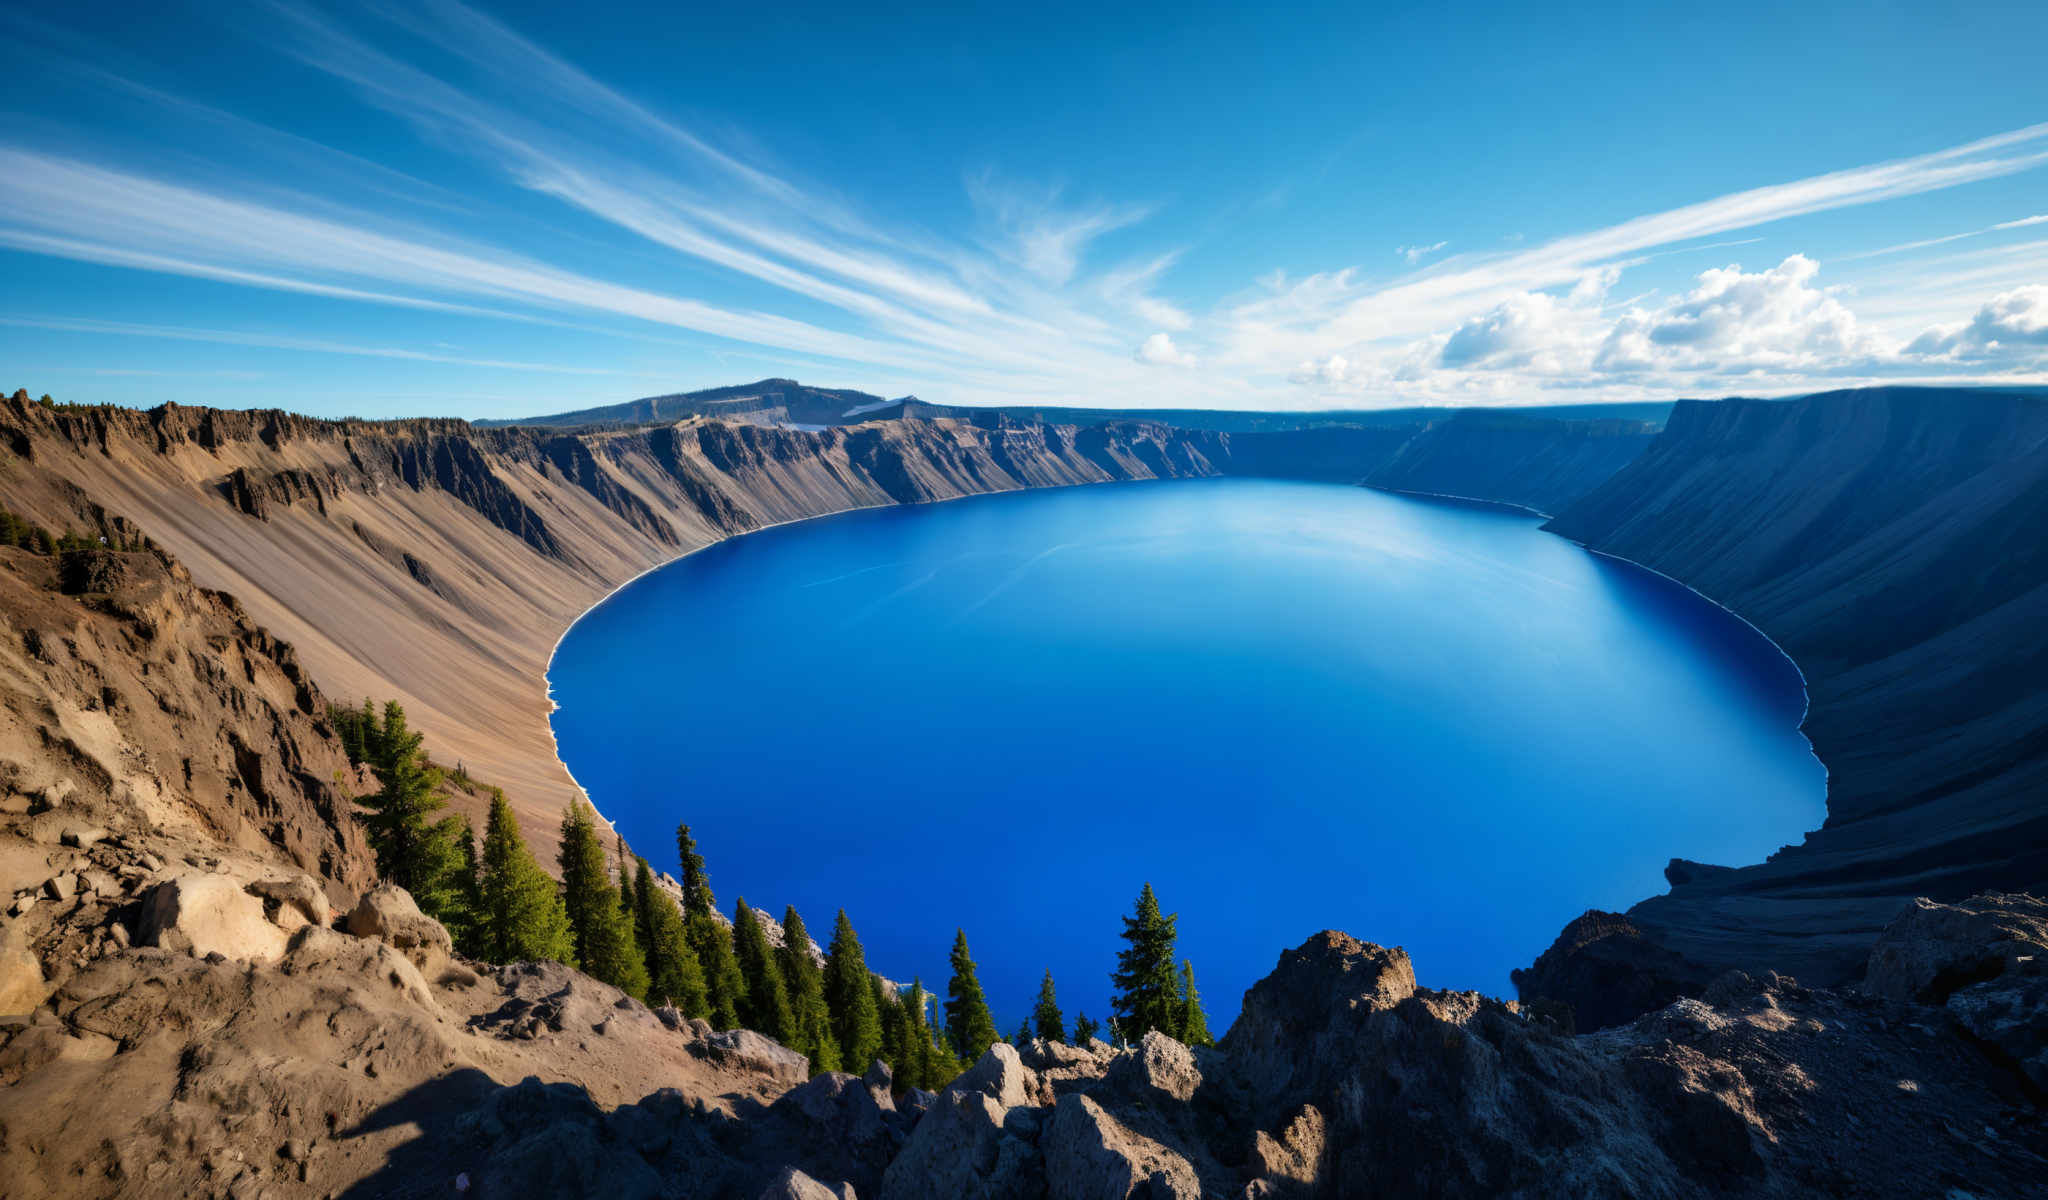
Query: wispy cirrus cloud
{"x": 1051, "y": 295}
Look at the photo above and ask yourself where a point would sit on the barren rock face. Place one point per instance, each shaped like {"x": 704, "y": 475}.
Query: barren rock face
{"x": 1930, "y": 950}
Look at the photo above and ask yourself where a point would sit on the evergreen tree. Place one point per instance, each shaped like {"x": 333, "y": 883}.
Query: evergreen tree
{"x": 465, "y": 917}
{"x": 1046, "y": 1017}
{"x": 1084, "y": 1029}
{"x": 766, "y": 1008}
{"x": 1147, "y": 995}
{"x": 890, "y": 1016}
{"x": 1022, "y": 1037}
{"x": 673, "y": 974}
{"x": 806, "y": 984}
{"x": 524, "y": 920}
{"x": 604, "y": 936}
{"x": 697, "y": 898}
{"x": 919, "y": 1054}
{"x": 412, "y": 851}
{"x": 1194, "y": 1023}
{"x": 968, "y": 1021}
{"x": 851, "y": 998}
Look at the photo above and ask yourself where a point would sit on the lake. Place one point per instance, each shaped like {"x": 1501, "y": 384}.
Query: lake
{"x": 1289, "y": 706}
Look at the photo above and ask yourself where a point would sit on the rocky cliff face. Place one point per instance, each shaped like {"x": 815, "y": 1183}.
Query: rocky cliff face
{"x": 1504, "y": 457}
{"x": 1890, "y": 541}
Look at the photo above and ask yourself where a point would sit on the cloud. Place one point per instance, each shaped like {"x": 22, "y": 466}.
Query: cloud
{"x": 1415, "y": 254}
{"x": 1735, "y": 320}
{"x": 2023, "y": 221}
{"x": 1160, "y": 351}
{"x": 2011, "y": 324}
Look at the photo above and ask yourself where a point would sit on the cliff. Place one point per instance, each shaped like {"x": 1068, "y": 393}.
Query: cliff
{"x": 1512, "y": 458}
{"x": 1890, "y": 541}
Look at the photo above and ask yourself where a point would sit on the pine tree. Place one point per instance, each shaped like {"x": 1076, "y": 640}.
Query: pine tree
{"x": 673, "y": 974}
{"x": 697, "y": 898}
{"x": 890, "y": 1016}
{"x": 1084, "y": 1030}
{"x": 412, "y": 851}
{"x": 1022, "y": 1037}
{"x": 1194, "y": 1023}
{"x": 604, "y": 936}
{"x": 918, "y": 1051}
{"x": 465, "y": 916}
{"x": 1147, "y": 987}
{"x": 806, "y": 984}
{"x": 968, "y": 1021}
{"x": 1046, "y": 1017}
{"x": 766, "y": 1009}
{"x": 851, "y": 998}
{"x": 524, "y": 920}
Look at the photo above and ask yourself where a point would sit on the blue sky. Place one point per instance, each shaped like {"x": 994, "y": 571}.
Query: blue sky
{"x": 432, "y": 208}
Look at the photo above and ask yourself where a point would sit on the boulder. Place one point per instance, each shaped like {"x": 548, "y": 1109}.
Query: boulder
{"x": 83, "y": 836}
{"x": 1604, "y": 970}
{"x": 387, "y": 912}
{"x": 1090, "y": 1155}
{"x": 292, "y": 893}
{"x": 1930, "y": 950}
{"x": 1000, "y": 1075}
{"x": 793, "y": 1184}
{"x": 1297, "y": 1034}
{"x": 2009, "y": 1015}
{"x": 1158, "y": 1064}
{"x": 207, "y": 914}
{"x": 831, "y": 1127}
{"x": 1292, "y": 1163}
{"x": 745, "y": 1050}
{"x": 22, "y": 987}
{"x": 316, "y": 948}
{"x": 962, "y": 1151}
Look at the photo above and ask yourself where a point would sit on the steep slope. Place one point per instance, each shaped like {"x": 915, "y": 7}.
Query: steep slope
{"x": 1513, "y": 458}
{"x": 1890, "y": 541}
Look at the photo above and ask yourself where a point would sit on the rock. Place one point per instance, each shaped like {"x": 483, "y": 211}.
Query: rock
{"x": 1000, "y": 1075}
{"x": 1301, "y": 1024}
{"x": 1605, "y": 970}
{"x": 1292, "y": 1163}
{"x": 84, "y": 837}
{"x": 22, "y": 904}
{"x": 316, "y": 948}
{"x": 793, "y": 1184}
{"x": 207, "y": 914}
{"x": 961, "y": 1150}
{"x": 60, "y": 887}
{"x": 22, "y": 988}
{"x": 743, "y": 1049}
{"x": 881, "y": 1082}
{"x": 387, "y": 912}
{"x": 2009, "y": 1015}
{"x": 298, "y": 893}
{"x": 1090, "y": 1155}
{"x": 98, "y": 883}
{"x": 1930, "y": 950}
{"x": 833, "y": 1128}
{"x": 1158, "y": 1064}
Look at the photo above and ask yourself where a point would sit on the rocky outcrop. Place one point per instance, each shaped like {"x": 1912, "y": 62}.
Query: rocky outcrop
{"x": 1503, "y": 457}
{"x": 1888, "y": 540}
{"x": 1985, "y": 962}
{"x": 1602, "y": 970}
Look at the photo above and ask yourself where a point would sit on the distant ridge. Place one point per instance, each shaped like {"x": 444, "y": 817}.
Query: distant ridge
{"x": 785, "y": 401}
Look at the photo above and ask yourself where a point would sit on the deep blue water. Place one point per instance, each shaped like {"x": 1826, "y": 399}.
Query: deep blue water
{"x": 1289, "y": 706}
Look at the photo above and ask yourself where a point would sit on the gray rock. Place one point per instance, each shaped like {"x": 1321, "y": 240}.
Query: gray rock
{"x": 1930, "y": 950}
{"x": 2009, "y": 1014}
{"x": 1090, "y": 1155}
{"x": 1158, "y": 1064}
{"x": 961, "y": 1151}
{"x": 743, "y": 1049}
{"x": 1000, "y": 1075}
{"x": 793, "y": 1184}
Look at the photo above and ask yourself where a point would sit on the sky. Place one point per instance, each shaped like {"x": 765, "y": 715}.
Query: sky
{"x": 433, "y": 208}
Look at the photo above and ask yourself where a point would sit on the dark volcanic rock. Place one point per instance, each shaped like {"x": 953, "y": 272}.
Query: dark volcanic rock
{"x": 1605, "y": 972}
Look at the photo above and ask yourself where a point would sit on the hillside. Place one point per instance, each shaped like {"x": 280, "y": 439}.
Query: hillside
{"x": 1890, "y": 541}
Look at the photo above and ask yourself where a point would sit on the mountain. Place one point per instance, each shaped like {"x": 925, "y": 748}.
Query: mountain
{"x": 770, "y": 401}
{"x": 1890, "y": 540}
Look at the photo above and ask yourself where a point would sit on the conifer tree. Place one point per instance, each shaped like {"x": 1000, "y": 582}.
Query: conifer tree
{"x": 465, "y": 915}
{"x": 890, "y": 1016}
{"x": 673, "y": 974}
{"x": 725, "y": 988}
{"x": 851, "y": 998}
{"x": 1022, "y": 1037}
{"x": 604, "y": 936}
{"x": 1147, "y": 995}
{"x": 968, "y": 1021}
{"x": 766, "y": 1007}
{"x": 806, "y": 984}
{"x": 1194, "y": 1023}
{"x": 524, "y": 920}
{"x": 1084, "y": 1029}
{"x": 919, "y": 1054}
{"x": 1046, "y": 1018}
{"x": 697, "y": 898}
{"x": 412, "y": 850}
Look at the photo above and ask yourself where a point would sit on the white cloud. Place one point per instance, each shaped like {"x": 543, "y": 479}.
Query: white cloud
{"x": 1736, "y": 320}
{"x": 1415, "y": 254}
{"x": 2023, "y": 221}
{"x": 2012, "y": 324}
{"x": 1160, "y": 351}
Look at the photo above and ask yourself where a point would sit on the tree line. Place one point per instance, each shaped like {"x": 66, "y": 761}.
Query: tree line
{"x": 626, "y": 929}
